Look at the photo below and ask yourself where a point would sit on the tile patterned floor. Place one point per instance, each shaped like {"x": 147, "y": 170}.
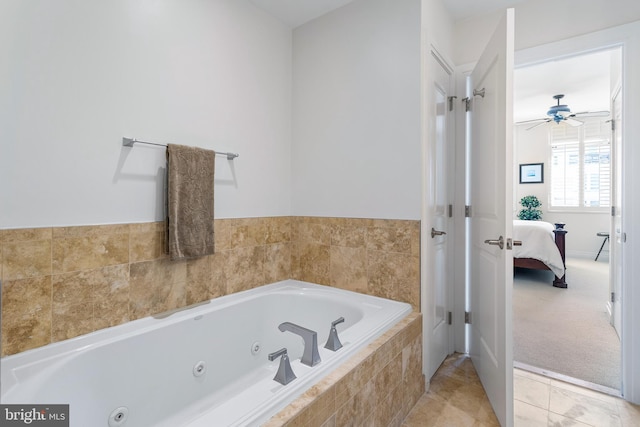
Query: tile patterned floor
{"x": 456, "y": 399}
{"x": 543, "y": 401}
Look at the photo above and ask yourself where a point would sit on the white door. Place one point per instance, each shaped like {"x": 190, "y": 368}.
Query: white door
{"x": 615, "y": 233}
{"x": 436, "y": 320}
{"x": 491, "y": 274}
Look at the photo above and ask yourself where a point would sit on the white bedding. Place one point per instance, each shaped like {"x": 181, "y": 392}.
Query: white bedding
{"x": 538, "y": 242}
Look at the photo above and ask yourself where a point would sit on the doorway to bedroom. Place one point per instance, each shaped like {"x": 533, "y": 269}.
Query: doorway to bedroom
{"x": 563, "y": 111}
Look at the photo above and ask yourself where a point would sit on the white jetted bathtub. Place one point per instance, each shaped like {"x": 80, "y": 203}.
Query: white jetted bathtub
{"x": 203, "y": 366}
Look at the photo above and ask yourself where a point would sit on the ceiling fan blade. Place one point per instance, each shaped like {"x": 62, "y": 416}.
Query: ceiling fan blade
{"x": 537, "y": 124}
{"x": 592, "y": 114}
{"x": 573, "y": 122}
{"x": 524, "y": 122}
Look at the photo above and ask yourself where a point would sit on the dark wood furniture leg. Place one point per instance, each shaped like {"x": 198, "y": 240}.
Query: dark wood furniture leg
{"x": 560, "y": 232}
{"x": 604, "y": 234}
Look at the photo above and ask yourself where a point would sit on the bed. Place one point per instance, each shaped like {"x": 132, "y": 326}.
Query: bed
{"x": 543, "y": 248}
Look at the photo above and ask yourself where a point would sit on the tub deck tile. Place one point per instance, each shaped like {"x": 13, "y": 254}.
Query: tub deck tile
{"x": 377, "y": 386}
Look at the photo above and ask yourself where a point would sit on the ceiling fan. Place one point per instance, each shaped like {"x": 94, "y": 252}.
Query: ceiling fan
{"x": 562, "y": 113}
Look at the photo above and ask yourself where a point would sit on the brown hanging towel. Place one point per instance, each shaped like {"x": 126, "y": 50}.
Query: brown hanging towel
{"x": 190, "y": 172}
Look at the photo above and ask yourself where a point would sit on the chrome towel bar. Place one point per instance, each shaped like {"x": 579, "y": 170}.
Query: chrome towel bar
{"x": 128, "y": 142}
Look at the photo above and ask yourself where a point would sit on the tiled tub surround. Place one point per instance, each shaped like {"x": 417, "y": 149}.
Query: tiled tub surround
{"x": 371, "y": 256}
{"x": 235, "y": 386}
{"x": 61, "y": 282}
{"x": 378, "y": 386}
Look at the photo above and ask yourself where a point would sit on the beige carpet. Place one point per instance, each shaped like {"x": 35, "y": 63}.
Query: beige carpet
{"x": 566, "y": 331}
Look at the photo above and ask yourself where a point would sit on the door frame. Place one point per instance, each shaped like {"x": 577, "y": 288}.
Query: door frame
{"x": 628, "y": 38}
{"x": 615, "y": 239}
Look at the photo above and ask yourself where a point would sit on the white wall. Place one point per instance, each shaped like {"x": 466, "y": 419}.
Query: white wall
{"x": 77, "y": 76}
{"x": 356, "y": 112}
{"x": 532, "y": 146}
{"x": 543, "y": 21}
{"x": 438, "y": 27}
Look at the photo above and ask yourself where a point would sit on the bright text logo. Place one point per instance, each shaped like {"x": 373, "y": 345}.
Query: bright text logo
{"x": 35, "y": 415}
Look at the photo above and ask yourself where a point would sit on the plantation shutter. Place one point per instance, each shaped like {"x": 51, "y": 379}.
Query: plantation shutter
{"x": 580, "y": 165}
{"x": 597, "y": 166}
{"x": 565, "y": 166}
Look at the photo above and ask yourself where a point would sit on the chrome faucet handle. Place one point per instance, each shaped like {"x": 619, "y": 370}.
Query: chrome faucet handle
{"x": 337, "y": 322}
{"x": 333, "y": 342}
{"x": 285, "y": 374}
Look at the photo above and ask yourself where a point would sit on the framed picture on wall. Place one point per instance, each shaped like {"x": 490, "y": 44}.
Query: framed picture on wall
{"x": 532, "y": 173}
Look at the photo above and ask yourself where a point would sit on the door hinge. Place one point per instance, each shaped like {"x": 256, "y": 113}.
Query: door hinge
{"x": 467, "y": 211}
{"x": 613, "y": 211}
{"x": 450, "y": 211}
{"x": 467, "y": 104}
{"x": 450, "y": 318}
{"x": 613, "y": 124}
{"x": 451, "y": 98}
{"x": 613, "y": 297}
{"x": 467, "y": 317}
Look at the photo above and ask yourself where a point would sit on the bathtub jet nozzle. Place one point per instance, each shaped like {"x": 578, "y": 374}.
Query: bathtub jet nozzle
{"x": 285, "y": 374}
{"x": 310, "y": 356}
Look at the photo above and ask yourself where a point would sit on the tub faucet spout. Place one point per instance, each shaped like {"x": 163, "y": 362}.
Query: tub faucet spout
{"x": 310, "y": 356}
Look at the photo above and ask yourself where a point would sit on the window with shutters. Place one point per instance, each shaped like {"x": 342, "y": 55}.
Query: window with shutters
{"x": 580, "y": 166}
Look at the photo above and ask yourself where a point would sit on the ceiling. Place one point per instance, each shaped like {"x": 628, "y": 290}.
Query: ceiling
{"x": 583, "y": 80}
{"x": 297, "y": 12}
{"x": 463, "y": 9}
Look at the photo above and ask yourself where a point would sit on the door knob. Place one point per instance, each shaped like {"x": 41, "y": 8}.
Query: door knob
{"x": 499, "y": 242}
{"x": 435, "y": 233}
{"x": 512, "y": 243}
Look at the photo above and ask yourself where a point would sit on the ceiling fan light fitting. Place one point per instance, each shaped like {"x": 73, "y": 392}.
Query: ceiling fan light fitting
{"x": 559, "y": 110}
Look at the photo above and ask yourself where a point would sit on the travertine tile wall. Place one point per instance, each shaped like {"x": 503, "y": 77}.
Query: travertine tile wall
{"x": 58, "y": 283}
{"x": 371, "y": 256}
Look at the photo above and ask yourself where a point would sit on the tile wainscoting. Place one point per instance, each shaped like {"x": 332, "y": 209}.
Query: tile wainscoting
{"x": 61, "y": 282}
